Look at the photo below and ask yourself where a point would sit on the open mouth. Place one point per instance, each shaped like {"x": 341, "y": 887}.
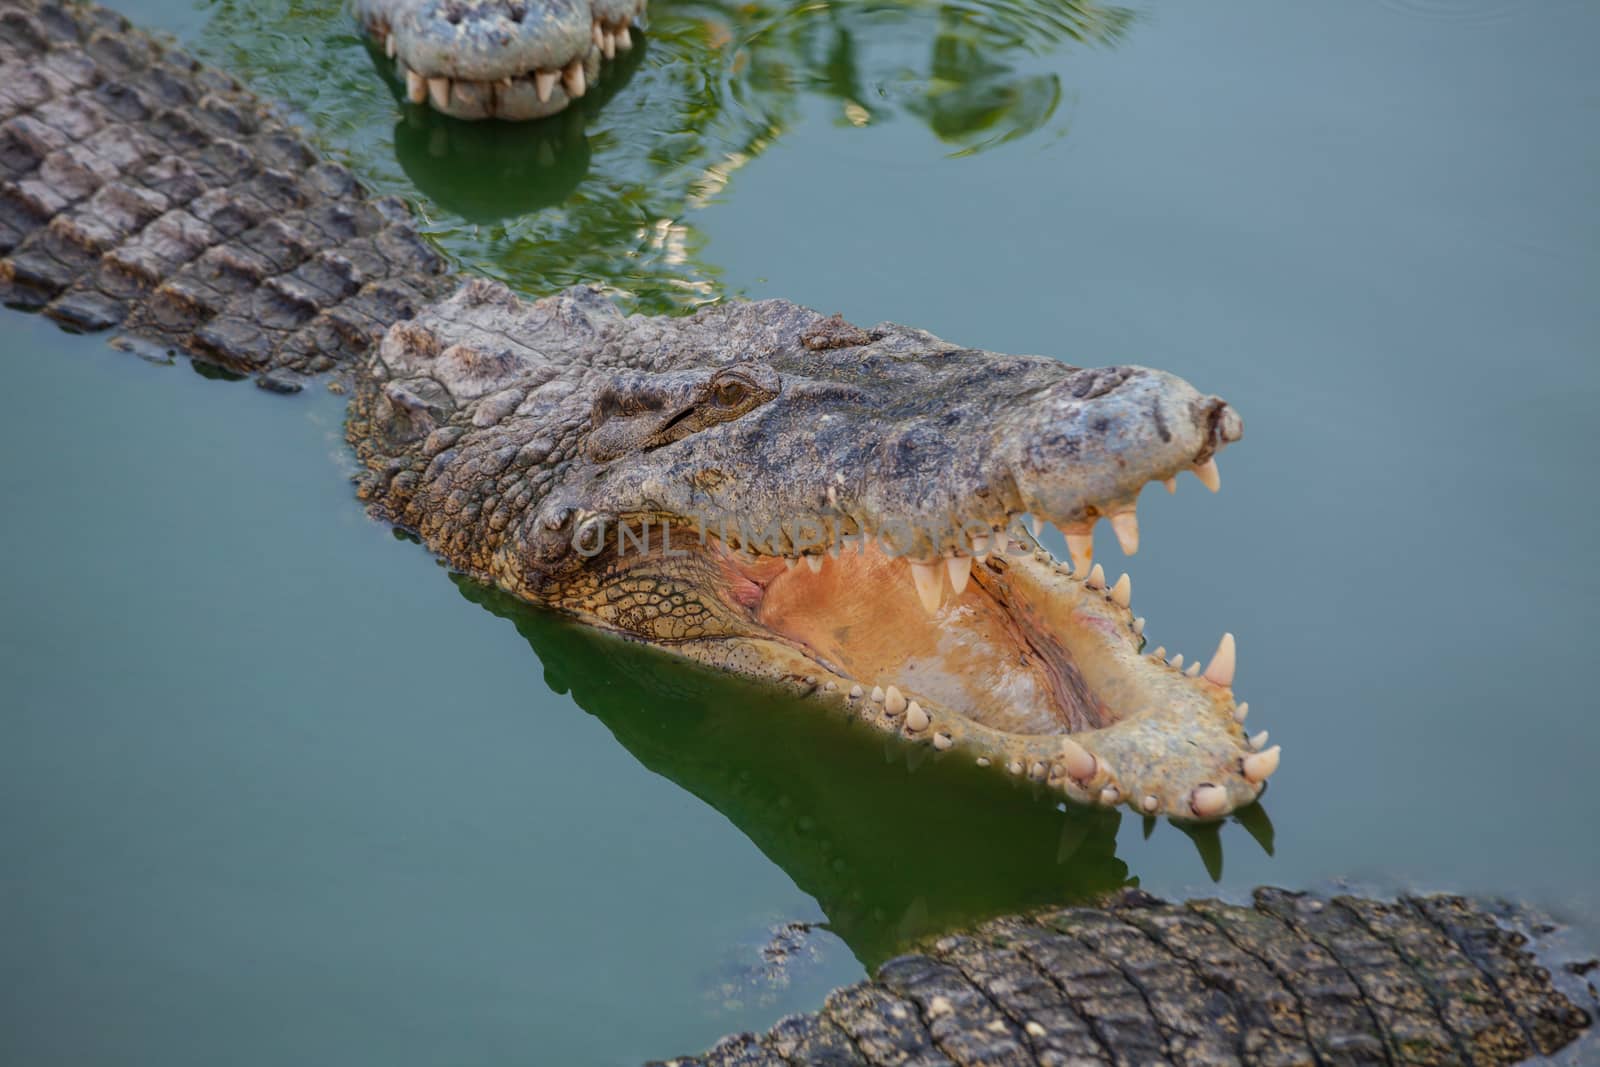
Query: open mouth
{"x": 995, "y": 651}
{"x": 471, "y": 71}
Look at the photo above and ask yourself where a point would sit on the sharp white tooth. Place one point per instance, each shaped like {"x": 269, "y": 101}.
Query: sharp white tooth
{"x": 983, "y": 761}
{"x": 1208, "y": 800}
{"x": 1079, "y": 760}
{"x": 439, "y": 93}
{"x": 1036, "y": 524}
{"x": 1138, "y": 626}
{"x": 416, "y": 87}
{"x": 1159, "y": 653}
{"x": 855, "y": 692}
{"x": 1150, "y": 803}
{"x": 916, "y": 718}
{"x": 1259, "y": 767}
{"x": 1220, "y": 669}
{"x": 1177, "y": 661}
{"x": 1259, "y": 741}
{"x": 624, "y": 38}
{"x": 596, "y": 34}
{"x": 572, "y": 78}
{"x": 930, "y": 588}
{"x": 1209, "y": 475}
{"x": 1037, "y": 770}
{"x": 1110, "y": 795}
{"x": 1097, "y": 578}
{"x": 877, "y": 694}
{"x": 1015, "y": 766}
{"x": 1080, "y": 546}
{"x": 544, "y": 83}
{"x": 389, "y": 45}
{"x": 1125, "y": 524}
{"x": 894, "y": 701}
{"x": 815, "y": 563}
{"x": 980, "y": 547}
{"x": 608, "y": 45}
{"x": 943, "y": 741}
{"x": 1171, "y": 484}
{"x": 789, "y": 562}
{"x": 1241, "y": 712}
{"x": 960, "y": 568}
{"x": 1194, "y": 669}
{"x": 1122, "y": 592}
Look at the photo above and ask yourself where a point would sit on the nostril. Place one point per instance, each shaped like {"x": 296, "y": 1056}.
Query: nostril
{"x": 1226, "y": 425}
{"x": 518, "y": 12}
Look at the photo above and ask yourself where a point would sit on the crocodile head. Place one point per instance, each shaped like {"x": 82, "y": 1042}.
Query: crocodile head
{"x": 782, "y": 495}
{"x": 506, "y": 59}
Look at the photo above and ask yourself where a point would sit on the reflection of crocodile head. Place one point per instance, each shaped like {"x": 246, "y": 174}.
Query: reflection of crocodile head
{"x": 487, "y": 171}
{"x": 893, "y": 846}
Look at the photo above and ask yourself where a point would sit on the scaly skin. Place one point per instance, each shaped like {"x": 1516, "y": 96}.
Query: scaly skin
{"x": 505, "y": 59}
{"x": 1295, "y": 980}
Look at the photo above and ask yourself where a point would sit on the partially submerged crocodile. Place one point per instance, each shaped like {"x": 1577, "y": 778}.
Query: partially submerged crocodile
{"x": 660, "y": 478}
{"x": 1294, "y": 979}
{"x": 505, "y": 59}
{"x": 756, "y": 487}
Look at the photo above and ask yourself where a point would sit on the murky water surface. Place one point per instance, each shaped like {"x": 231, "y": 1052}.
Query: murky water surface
{"x": 275, "y": 788}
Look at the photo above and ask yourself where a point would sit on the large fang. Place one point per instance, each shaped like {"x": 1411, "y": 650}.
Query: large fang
{"x": 1209, "y": 475}
{"x": 544, "y": 83}
{"x": 416, "y": 87}
{"x": 1259, "y": 767}
{"x": 1220, "y": 670}
{"x": 1097, "y": 578}
{"x": 960, "y": 568}
{"x": 1125, "y": 524}
{"x": 1080, "y": 762}
{"x": 1122, "y": 592}
{"x": 925, "y": 576}
{"x": 572, "y": 78}
{"x": 439, "y": 92}
{"x": 1081, "y": 547}
{"x": 389, "y": 46}
{"x": 624, "y": 39}
{"x": 916, "y": 718}
{"x": 1208, "y": 800}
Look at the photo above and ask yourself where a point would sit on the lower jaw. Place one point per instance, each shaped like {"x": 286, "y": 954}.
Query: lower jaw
{"x": 1031, "y": 670}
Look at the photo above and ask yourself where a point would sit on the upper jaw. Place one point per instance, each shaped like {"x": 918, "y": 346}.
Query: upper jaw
{"x": 506, "y": 59}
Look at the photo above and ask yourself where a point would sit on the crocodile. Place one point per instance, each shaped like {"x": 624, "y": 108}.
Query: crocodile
{"x": 499, "y": 59}
{"x": 756, "y": 486}
{"x": 850, "y": 514}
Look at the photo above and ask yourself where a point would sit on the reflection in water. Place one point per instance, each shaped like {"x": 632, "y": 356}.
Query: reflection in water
{"x": 717, "y": 82}
{"x": 486, "y": 171}
{"x": 894, "y": 841}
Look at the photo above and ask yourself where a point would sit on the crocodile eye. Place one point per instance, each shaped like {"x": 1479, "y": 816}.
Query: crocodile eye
{"x": 731, "y": 393}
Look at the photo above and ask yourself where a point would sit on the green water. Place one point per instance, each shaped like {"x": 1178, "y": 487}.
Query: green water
{"x": 275, "y": 788}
